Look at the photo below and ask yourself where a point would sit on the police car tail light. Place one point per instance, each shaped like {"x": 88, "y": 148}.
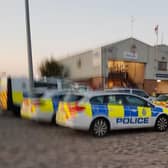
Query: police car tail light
{"x": 26, "y": 102}
{"x": 77, "y": 108}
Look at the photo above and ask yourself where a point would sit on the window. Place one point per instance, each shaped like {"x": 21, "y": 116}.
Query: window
{"x": 97, "y": 100}
{"x": 162, "y": 98}
{"x": 140, "y": 93}
{"x": 111, "y": 99}
{"x": 58, "y": 97}
{"x": 162, "y": 66}
{"x": 135, "y": 101}
{"x": 34, "y": 95}
{"x": 115, "y": 99}
{"x": 45, "y": 84}
{"x": 72, "y": 98}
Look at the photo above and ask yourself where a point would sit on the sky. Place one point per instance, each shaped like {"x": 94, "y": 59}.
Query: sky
{"x": 60, "y": 28}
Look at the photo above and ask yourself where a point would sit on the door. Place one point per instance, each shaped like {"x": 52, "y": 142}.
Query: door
{"x": 118, "y": 113}
{"x": 99, "y": 106}
{"x": 140, "y": 111}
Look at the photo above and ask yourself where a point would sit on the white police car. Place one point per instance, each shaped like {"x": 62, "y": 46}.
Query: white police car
{"x": 101, "y": 112}
{"x": 42, "y": 107}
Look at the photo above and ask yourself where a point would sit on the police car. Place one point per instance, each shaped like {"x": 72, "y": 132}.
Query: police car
{"x": 101, "y": 112}
{"x": 42, "y": 107}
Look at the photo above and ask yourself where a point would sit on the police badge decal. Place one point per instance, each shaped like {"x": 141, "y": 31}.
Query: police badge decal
{"x": 144, "y": 112}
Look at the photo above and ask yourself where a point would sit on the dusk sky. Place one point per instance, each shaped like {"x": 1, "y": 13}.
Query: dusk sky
{"x": 60, "y": 28}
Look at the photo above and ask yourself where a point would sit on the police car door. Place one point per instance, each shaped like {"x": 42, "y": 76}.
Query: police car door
{"x": 99, "y": 107}
{"x": 139, "y": 111}
{"x": 117, "y": 111}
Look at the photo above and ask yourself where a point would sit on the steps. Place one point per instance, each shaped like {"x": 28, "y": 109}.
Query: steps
{"x": 121, "y": 79}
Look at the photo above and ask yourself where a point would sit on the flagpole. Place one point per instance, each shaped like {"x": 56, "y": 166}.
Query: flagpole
{"x": 132, "y": 26}
{"x": 157, "y": 39}
{"x": 156, "y": 31}
{"x": 156, "y": 45}
{"x": 162, "y": 38}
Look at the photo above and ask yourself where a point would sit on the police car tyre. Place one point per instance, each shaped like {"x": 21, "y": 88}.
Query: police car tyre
{"x": 162, "y": 123}
{"x": 100, "y": 127}
{"x": 53, "y": 121}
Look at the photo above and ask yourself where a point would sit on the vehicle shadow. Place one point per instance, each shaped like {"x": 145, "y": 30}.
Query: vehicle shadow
{"x": 76, "y": 133}
{"x": 132, "y": 131}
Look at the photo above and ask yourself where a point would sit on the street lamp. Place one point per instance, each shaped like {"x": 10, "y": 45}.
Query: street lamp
{"x": 29, "y": 48}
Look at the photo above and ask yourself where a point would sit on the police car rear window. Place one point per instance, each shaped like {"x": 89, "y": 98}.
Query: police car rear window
{"x": 58, "y": 97}
{"x": 97, "y": 100}
{"x": 72, "y": 98}
{"x": 34, "y": 95}
{"x": 45, "y": 84}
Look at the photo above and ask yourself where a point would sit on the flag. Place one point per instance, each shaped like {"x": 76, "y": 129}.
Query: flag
{"x": 156, "y": 29}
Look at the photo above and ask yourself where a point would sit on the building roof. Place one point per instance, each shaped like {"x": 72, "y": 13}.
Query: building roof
{"x": 103, "y": 46}
{"x": 127, "y": 39}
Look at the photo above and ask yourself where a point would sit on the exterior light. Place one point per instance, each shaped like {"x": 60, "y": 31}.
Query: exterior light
{"x": 158, "y": 80}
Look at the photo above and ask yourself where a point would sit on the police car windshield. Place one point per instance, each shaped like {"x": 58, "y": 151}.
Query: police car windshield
{"x": 162, "y": 98}
{"x": 140, "y": 93}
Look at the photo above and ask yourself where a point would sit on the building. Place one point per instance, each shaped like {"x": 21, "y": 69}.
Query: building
{"x": 126, "y": 63}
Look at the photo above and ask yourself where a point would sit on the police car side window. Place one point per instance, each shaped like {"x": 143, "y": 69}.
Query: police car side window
{"x": 111, "y": 99}
{"x": 115, "y": 99}
{"x": 135, "y": 101}
{"x": 97, "y": 100}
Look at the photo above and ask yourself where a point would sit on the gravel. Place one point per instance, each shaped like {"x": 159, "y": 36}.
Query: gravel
{"x": 28, "y": 144}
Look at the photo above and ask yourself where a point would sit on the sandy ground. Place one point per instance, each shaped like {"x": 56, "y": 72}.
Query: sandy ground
{"x": 27, "y": 144}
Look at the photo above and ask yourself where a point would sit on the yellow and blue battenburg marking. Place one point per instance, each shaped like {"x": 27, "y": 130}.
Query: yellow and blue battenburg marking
{"x": 99, "y": 109}
{"x": 122, "y": 114}
{"x": 125, "y": 111}
{"x": 156, "y": 111}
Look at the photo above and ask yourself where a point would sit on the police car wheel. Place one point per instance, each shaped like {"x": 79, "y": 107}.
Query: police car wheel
{"x": 100, "y": 127}
{"x": 162, "y": 123}
{"x": 53, "y": 121}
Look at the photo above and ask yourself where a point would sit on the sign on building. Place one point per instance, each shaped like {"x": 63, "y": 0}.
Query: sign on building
{"x": 130, "y": 55}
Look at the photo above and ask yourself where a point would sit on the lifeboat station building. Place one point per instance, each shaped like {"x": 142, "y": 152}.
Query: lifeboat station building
{"x": 126, "y": 63}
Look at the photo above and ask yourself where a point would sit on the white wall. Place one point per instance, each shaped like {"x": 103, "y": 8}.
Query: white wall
{"x": 84, "y": 65}
{"x": 155, "y": 55}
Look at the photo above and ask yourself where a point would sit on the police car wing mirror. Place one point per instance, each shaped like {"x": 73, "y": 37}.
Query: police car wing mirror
{"x": 150, "y": 105}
